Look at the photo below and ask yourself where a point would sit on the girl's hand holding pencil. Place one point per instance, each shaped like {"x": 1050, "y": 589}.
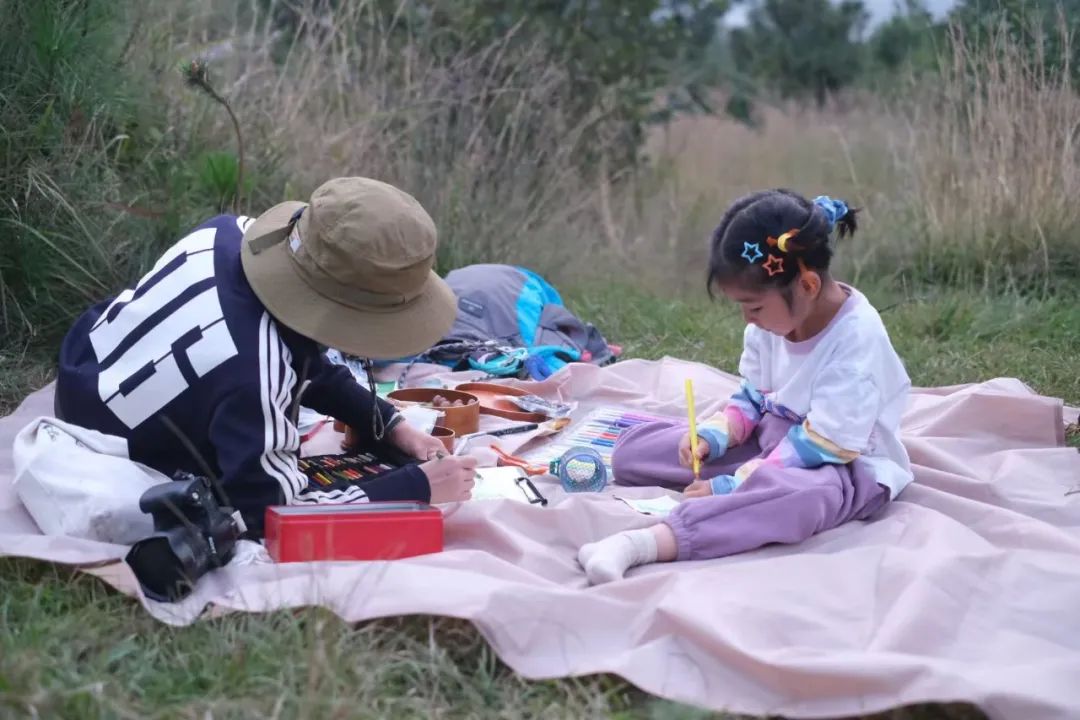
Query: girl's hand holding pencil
{"x": 692, "y": 449}
{"x": 686, "y": 452}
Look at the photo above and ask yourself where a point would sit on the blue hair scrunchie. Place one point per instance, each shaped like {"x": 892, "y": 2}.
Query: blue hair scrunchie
{"x": 833, "y": 209}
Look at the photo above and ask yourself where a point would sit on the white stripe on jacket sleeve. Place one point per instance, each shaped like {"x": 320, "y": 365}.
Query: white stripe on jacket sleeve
{"x": 281, "y": 439}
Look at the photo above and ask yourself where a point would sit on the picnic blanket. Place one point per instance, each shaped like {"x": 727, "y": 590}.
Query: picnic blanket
{"x": 966, "y": 589}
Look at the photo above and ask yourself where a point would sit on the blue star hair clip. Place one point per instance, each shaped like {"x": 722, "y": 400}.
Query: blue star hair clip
{"x": 752, "y": 247}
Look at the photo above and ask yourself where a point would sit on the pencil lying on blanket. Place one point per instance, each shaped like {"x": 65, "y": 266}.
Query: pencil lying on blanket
{"x": 693, "y": 427}
{"x": 549, "y": 427}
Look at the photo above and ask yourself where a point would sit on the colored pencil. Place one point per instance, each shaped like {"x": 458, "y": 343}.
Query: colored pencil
{"x": 693, "y": 427}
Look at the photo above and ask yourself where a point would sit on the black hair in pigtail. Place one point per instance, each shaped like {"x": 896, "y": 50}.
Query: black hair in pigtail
{"x": 769, "y": 238}
{"x": 847, "y": 224}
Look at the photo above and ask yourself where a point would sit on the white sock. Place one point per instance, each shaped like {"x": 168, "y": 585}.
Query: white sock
{"x": 608, "y": 559}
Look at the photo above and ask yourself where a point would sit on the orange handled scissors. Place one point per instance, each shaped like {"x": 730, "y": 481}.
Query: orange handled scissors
{"x": 508, "y": 459}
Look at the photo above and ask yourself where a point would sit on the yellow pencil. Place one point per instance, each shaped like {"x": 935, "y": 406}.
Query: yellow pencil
{"x": 693, "y": 427}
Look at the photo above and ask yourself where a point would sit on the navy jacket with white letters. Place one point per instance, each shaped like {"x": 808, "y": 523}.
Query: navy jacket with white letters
{"x": 192, "y": 343}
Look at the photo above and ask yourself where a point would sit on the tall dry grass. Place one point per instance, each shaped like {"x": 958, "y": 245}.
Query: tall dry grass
{"x": 700, "y": 164}
{"x": 970, "y": 179}
{"x": 994, "y": 167}
{"x": 486, "y": 141}
{"x": 484, "y": 138}
{"x": 967, "y": 179}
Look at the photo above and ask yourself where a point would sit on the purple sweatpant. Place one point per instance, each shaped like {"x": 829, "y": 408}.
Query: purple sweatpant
{"x": 773, "y": 505}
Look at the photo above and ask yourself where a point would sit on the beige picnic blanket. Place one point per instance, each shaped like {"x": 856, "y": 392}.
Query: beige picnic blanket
{"x": 966, "y": 589}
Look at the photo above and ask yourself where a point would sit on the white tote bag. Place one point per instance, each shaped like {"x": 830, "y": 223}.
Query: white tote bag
{"x": 81, "y": 483}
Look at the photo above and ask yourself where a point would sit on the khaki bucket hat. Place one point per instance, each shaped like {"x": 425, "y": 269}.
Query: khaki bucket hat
{"x": 352, "y": 269}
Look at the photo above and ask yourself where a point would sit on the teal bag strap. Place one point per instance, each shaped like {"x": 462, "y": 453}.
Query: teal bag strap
{"x": 502, "y": 363}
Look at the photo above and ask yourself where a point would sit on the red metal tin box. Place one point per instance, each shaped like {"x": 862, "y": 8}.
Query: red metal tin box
{"x": 363, "y": 531}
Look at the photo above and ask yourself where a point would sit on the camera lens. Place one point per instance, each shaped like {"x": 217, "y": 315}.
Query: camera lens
{"x": 165, "y": 566}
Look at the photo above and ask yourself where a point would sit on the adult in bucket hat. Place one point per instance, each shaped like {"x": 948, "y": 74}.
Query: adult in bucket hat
{"x": 203, "y": 364}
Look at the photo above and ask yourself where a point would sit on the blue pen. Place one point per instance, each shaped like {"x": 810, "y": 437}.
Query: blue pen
{"x": 618, "y": 422}
{"x": 613, "y": 423}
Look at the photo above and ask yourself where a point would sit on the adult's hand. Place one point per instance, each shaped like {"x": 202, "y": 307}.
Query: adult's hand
{"x": 451, "y": 478}
{"x": 416, "y": 443}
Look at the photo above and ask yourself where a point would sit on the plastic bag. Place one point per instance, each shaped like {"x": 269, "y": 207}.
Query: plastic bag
{"x": 537, "y": 404}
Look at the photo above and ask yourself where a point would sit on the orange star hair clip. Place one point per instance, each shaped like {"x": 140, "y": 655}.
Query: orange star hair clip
{"x": 774, "y": 265}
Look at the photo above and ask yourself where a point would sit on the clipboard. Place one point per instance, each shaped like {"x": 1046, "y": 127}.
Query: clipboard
{"x": 506, "y": 482}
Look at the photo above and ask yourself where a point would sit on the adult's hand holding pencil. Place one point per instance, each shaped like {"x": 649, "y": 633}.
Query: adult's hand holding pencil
{"x": 451, "y": 478}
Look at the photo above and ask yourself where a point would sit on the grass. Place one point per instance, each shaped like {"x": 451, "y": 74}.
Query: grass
{"x": 72, "y": 647}
{"x": 945, "y": 337}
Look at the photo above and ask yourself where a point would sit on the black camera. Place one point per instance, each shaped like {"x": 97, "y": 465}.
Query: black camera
{"x": 193, "y": 533}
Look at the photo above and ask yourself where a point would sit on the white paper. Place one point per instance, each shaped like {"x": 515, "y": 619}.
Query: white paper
{"x": 307, "y": 419}
{"x": 651, "y": 506}
{"x": 421, "y": 417}
{"x": 500, "y": 483}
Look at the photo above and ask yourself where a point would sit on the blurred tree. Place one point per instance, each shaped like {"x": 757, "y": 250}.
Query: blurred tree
{"x": 802, "y": 47}
{"x": 907, "y": 40}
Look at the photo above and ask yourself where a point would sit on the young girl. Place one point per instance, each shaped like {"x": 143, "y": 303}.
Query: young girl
{"x": 811, "y": 439}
